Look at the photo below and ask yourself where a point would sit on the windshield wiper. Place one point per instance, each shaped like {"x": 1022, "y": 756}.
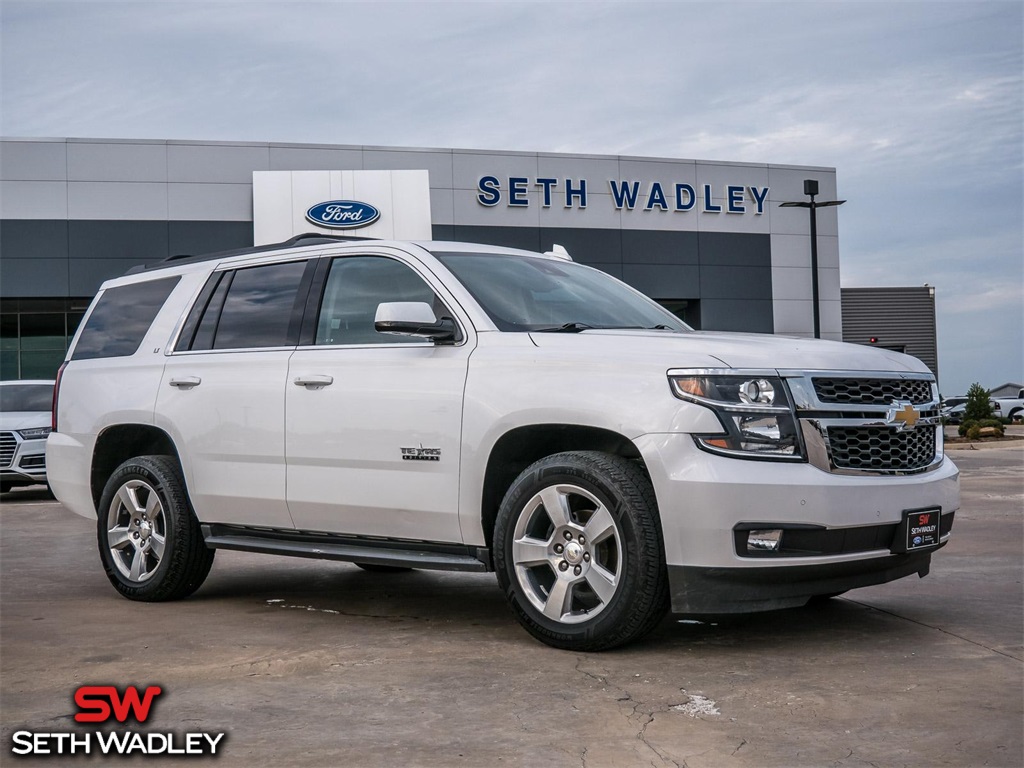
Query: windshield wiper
{"x": 577, "y": 327}
{"x": 566, "y": 328}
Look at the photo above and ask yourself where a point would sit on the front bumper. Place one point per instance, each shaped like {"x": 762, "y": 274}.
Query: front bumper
{"x": 703, "y": 499}
{"x": 26, "y": 463}
{"x": 748, "y": 590}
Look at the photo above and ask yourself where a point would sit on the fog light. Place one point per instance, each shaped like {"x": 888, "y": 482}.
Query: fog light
{"x": 764, "y": 541}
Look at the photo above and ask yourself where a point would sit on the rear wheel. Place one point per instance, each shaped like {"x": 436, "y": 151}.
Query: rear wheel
{"x": 578, "y": 551}
{"x": 6, "y": 487}
{"x": 149, "y": 538}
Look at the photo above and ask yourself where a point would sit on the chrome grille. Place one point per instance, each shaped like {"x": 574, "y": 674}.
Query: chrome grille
{"x": 881, "y": 449}
{"x": 872, "y": 391}
{"x": 7, "y": 447}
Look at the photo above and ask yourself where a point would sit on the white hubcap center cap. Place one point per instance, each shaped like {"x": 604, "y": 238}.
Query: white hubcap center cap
{"x": 145, "y": 529}
{"x": 573, "y": 553}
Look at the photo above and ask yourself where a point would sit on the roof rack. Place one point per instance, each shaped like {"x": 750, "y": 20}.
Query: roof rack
{"x": 299, "y": 241}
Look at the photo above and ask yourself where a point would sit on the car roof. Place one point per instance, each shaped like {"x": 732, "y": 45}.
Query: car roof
{"x": 301, "y": 244}
{"x": 450, "y": 246}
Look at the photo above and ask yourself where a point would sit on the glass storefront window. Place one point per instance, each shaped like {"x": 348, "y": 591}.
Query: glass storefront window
{"x": 41, "y": 365}
{"x": 47, "y": 331}
{"x": 8, "y": 332}
{"x": 34, "y": 336}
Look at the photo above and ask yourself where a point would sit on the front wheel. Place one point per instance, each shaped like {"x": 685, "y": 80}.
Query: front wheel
{"x": 149, "y": 538}
{"x": 578, "y": 551}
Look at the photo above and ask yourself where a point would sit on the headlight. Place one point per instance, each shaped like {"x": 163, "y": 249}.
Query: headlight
{"x": 34, "y": 434}
{"x": 754, "y": 409}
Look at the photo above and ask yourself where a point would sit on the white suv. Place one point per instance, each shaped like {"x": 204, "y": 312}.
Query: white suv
{"x": 455, "y": 406}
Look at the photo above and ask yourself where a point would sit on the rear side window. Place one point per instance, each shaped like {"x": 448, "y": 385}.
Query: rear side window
{"x": 121, "y": 317}
{"x": 247, "y": 308}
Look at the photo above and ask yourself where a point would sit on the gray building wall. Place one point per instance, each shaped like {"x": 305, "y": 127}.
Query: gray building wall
{"x": 899, "y": 318}
{"x": 75, "y": 212}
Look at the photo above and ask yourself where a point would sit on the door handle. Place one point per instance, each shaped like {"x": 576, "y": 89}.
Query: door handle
{"x": 185, "y": 382}
{"x": 314, "y": 382}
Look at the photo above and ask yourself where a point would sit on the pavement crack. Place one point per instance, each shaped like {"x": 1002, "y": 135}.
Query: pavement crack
{"x": 641, "y": 715}
{"x": 642, "y": 737}
{"x": 843, "y": 758}
{"x": 937, "y": 629}
{"x": 519, "y": 719}
{"x": 313, "y": 609}
{"x": 602, "y": 680}
{"x": 742, "y": 744}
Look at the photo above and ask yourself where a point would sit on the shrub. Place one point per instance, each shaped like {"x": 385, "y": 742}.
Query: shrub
{"x": 972, "y": 429}
{"x": 996, "y": 424}
{"x": 979, "y": 406}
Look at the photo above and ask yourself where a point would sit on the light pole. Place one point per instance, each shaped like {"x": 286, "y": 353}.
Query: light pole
{"x": 811, "y": 189}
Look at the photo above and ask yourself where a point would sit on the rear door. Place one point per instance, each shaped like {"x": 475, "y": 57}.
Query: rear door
{"x": 223, "y": 388}
{"x": 375, "y": 420}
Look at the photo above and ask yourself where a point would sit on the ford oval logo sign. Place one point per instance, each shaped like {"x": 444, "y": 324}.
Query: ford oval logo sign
{"x": 342, "y": 214}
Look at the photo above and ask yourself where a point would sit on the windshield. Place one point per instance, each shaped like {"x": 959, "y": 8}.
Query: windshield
{"x": 523, "y": 293}
{"x": 26, "y": 397}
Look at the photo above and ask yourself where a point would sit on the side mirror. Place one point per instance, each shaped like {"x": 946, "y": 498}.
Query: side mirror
{"x": 414, "y": 318}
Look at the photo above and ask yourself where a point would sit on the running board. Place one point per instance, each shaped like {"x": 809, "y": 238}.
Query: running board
{"x": 351, "y": 549}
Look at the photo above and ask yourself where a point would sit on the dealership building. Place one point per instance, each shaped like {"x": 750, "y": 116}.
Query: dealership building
{"x": 708, "y": 240}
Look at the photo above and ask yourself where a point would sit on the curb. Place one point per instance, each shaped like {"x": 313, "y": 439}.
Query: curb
{"x": 1005, "y": 445}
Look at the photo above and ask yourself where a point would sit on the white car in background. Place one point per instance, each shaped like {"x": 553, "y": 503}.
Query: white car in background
{"x": 25, "y": 420}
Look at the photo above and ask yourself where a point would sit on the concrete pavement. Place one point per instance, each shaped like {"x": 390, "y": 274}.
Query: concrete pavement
{"x": 319, "y": 663}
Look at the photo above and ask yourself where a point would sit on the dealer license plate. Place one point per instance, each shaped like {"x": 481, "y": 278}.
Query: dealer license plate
{"x": 921, "y": 528}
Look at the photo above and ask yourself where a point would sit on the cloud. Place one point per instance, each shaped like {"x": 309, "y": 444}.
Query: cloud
{"x": 918, "y": 105}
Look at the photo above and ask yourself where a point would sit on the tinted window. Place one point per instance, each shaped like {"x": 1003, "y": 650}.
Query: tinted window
{"x": 355, "y": 287}
{"x": 258, "y": 308}
{"x": 26, "y": 397}
{"x": 197, "y": 332}
{"x": 522, "y": 293}
{"x": 121, "y": 317}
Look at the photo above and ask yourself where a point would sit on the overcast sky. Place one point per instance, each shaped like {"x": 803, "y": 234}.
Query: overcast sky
{"x": 918, "y": 106}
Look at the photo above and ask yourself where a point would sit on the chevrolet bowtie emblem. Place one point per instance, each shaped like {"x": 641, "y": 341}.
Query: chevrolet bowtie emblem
{"x": 904, "y": 417}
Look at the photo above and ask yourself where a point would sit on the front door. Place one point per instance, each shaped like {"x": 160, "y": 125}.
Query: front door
{"x": 374, "y": 420}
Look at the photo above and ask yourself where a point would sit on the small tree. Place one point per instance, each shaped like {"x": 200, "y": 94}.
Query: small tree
{"x": 978, "y": 407}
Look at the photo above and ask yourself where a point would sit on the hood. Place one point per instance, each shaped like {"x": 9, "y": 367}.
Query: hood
{"x": 713, "y": 349}
{"x": 24, "y": 420}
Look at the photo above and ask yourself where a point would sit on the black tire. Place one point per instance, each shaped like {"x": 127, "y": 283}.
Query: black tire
{"x": 635, "y": 600}
{"x": 374, "y": 568}
{"x": 6, "y": 487}
{"x": 1016, "y": 414}
{"x": 183, "y": 562}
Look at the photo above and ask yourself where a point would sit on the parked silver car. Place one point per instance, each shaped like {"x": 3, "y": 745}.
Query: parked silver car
{"x": 25, "y": 417}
